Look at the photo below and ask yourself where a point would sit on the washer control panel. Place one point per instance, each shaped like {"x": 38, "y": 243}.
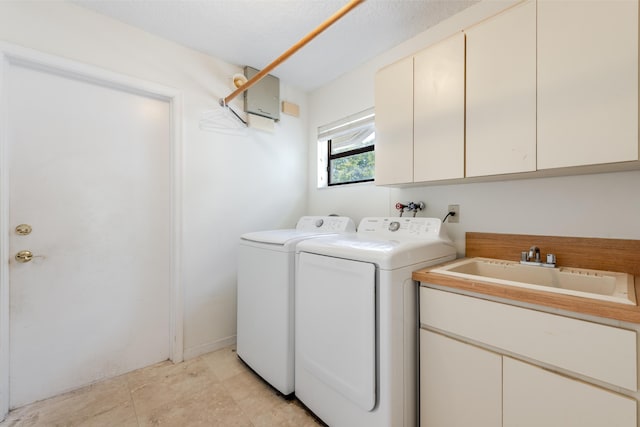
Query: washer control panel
{"x": 398, "y": 226}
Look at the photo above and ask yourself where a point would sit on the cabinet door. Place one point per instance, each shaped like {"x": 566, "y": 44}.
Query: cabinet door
{"x": 534, "y": 397}
{"x": 439, "y": 111}
{"x": 501, "y": 93}
{"x": 460, "y": 385}
{"x": 394, "y": 123}
{"x": 587, "y": 82}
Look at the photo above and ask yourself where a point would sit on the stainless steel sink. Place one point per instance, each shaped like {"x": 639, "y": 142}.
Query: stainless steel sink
{"x": 602, "y": 285}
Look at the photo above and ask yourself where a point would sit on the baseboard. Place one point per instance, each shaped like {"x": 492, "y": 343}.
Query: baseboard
{"x": 192, "y": 352}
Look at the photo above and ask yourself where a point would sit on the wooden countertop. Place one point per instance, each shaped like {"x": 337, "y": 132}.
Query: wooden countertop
{"x": 611, "y": 310}
{"x": 599, "y": 254}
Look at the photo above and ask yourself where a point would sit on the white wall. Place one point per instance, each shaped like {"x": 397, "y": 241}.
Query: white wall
{"x": 598, "y": 205}
{"x": 232, "y": 184}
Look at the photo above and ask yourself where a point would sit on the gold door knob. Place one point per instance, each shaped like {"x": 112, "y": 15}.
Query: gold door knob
{"x": 23, "y": 229}
{"x": 24, "y": 256}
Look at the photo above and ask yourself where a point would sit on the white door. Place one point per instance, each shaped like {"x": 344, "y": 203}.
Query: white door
{"x": 89, "y": 170}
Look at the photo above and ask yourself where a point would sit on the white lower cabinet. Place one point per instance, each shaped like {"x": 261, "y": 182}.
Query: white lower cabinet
{"x": 460, "y": 385}
{"x": 471, "y": 375}
{"x": 534, "y": 397}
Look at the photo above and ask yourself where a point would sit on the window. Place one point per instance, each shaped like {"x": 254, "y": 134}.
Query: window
{"x": 346, "y": 150}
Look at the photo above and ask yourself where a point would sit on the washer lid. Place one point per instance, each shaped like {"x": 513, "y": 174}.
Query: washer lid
{"x": 281, "y": 237}
{"x": 306, "y": 228}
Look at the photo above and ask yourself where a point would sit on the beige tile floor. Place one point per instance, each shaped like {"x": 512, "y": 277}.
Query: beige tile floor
{"x": 215, "y": 389}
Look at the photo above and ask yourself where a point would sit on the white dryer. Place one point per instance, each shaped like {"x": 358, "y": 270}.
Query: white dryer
{"x": 266, "y": 267}
{"x": 356, "y": 320}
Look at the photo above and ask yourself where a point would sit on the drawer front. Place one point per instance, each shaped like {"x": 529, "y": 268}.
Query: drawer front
{"x": 602, "y": 352}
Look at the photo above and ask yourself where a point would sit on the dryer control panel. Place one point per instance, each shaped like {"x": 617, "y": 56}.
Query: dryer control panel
{"x": 327, "y": 224}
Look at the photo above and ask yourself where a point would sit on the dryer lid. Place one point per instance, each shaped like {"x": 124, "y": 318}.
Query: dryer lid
{"x": 386, "y": 254}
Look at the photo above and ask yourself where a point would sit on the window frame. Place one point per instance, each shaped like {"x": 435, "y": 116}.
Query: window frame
{"x": 342, "y": 155}
{"x": 326, "y": 135}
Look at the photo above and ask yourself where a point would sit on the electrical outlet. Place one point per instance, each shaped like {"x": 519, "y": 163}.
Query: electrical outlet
{"x": 456, "y": 217}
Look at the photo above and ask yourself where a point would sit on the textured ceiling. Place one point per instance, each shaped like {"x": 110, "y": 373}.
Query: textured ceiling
{"x": 255, "y": 32}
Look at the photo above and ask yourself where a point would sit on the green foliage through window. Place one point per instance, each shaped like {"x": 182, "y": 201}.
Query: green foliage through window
{"x": 352, "y": 168}
{"x": 349, "y": 149}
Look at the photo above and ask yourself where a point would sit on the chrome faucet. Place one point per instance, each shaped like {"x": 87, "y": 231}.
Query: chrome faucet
{"x": 532, "y": 257}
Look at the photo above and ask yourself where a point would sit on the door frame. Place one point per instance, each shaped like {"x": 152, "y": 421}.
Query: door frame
{"x": 15, "y": 55}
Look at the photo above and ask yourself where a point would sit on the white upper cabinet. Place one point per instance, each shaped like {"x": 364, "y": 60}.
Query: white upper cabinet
{"x": 394, "y": 123}
{"x": 587, "y": 82}
{"x": 501, "y": 93}
{"x": 540, "y": 87}
{"x": 438, "y": 116}
{"x": 420, "y": 116}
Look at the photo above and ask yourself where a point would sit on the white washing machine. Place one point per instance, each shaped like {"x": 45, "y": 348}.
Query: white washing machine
{"x": 356, "y": 320}
{"x": 266, "y": 268}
